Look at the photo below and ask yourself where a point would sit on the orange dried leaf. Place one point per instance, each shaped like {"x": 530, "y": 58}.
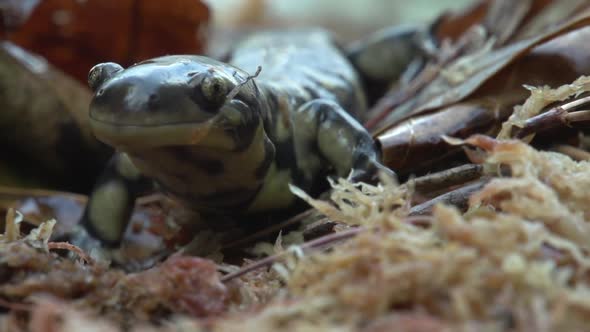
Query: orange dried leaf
{"x": 75, "y": 35}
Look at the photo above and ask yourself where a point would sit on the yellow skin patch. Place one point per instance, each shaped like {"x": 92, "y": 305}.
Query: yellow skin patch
{"x": 126, "y": 168}
{"x": 275, "y": 192}
{"x": 109, "y": 203}
{"x": 337, "y": 145}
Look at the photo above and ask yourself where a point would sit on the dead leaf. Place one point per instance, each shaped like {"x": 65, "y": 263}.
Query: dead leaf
{"x": 465, "y": 75}
{"x": 13, "y": 13}
{"x": 75, "y": 35}
{"x": 416, "y": 143}
{"x": 44, "y": 121}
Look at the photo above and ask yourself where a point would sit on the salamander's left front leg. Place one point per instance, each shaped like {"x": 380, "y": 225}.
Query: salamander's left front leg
{"x": 323, "y": 130}
{"x": 109, "y": 208}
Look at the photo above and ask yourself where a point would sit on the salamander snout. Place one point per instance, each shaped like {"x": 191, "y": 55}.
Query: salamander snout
{"x": 151, "y": 94}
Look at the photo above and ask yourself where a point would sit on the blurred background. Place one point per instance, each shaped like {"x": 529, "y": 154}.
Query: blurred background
{"x": 350, "y": 18}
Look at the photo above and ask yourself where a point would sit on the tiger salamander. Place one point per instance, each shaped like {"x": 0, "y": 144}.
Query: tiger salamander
{"x": 219, "y": 140}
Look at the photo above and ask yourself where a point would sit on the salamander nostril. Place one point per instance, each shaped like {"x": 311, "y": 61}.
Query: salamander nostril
{"x": 153, "y": 101}
{"x": 100, "y": 92}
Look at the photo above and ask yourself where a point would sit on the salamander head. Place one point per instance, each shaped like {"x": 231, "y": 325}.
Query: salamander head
{"x": 172, "y": 101}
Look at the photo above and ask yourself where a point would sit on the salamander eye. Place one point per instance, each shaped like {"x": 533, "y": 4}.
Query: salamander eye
{"x": 102, "y": 72}
{"x": 214, "y": 90}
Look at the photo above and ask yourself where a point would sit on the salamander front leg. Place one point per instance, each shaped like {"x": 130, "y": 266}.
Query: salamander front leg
{"x": 324, "y": 131}
{"x": 109, "y": 207}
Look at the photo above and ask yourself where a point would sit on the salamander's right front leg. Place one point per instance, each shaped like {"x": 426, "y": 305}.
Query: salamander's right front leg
{"x": 324, "y": 132}
{"x": 109, "y": 207}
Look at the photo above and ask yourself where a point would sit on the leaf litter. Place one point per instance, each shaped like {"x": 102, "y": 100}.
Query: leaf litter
{"x": 516, "y": 259}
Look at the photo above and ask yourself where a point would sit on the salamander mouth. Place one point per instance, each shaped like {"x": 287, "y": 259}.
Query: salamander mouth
{"x": 141, "y": 136}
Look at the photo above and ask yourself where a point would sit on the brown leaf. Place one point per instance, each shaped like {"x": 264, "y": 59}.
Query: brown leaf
{"x": 13, "y": 13}
{"x": 546, "y": 14}
{"x": 416, "y": 143}
{"x": 466, "y": 74}
{"x": 504, "y": 18}
{"x": 43, "y": 119}
{"x": 452, "y": 25}
{"x": 75, "y": 35}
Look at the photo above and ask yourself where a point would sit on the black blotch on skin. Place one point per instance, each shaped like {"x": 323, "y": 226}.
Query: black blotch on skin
{"x": 269, "y": 156}
{"x": 346, "y": 93}
{"x": 236, "y": 199}
{"x": 249, "y": 94}
{"x": 312, "y": 92}
{"x": 242, "y": 135}
{"x": 209, "y": 166}
{"x": 273, "y": 100}
{"x": 271, "y": 104}
{"x": 285, "y": 154}
{"x": 352, "y": 102}
{"x": 285, "y": 159}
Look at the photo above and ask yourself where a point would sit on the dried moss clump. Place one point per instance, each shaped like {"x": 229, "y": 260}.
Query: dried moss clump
{"x": 517, "y": 259}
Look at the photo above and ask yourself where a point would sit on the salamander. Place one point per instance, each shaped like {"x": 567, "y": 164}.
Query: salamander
{"x": 222, "y": 140}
